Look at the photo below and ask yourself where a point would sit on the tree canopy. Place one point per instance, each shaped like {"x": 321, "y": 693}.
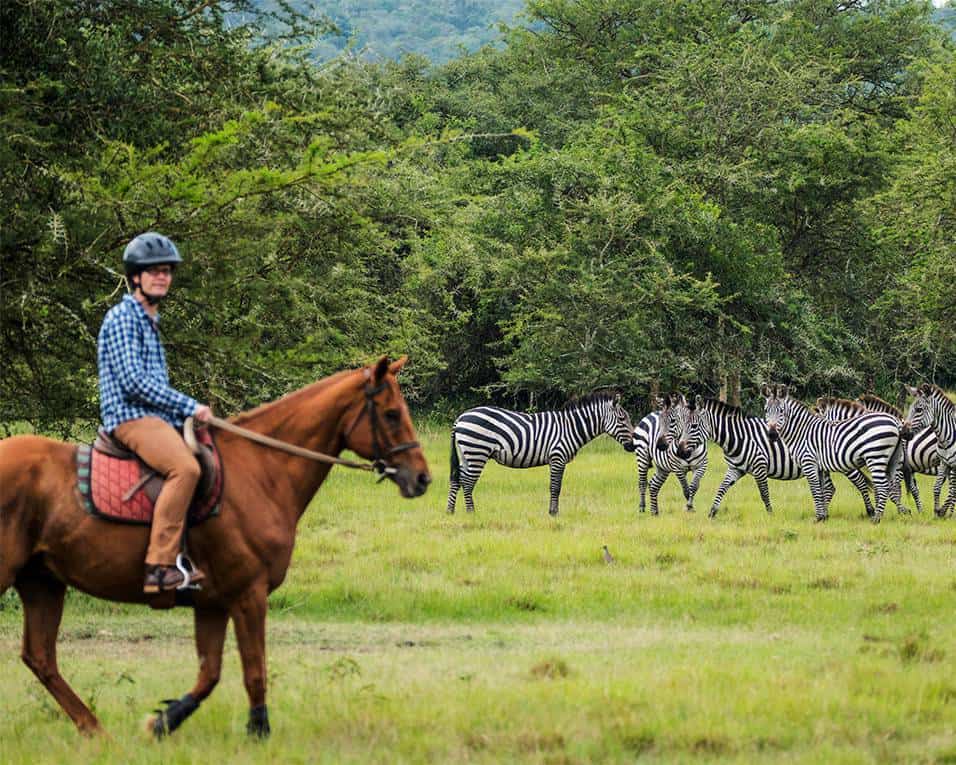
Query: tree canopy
{"x": 626, "y": 193}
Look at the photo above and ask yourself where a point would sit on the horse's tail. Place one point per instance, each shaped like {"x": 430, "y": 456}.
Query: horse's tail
{"x": 455, "y": 477}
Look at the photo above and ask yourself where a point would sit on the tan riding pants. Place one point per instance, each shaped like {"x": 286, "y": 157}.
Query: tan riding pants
{"x": 161, "y": 447}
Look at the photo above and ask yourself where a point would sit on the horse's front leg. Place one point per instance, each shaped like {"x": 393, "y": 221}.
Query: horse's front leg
{"x": 249, "y": 618}
{"x": 210, "y": 635}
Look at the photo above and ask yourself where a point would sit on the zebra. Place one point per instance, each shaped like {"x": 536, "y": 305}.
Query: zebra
{"x": 661, "y": 439}
{"x": 748, "y": 448}
{"x": 870, "y": 440}
{"x": 931, "y": 408}
{"x": 521, "y": 440}
{"x": 921, "y": 454}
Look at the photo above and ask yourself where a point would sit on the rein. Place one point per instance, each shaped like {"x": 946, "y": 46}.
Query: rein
{"x": 377, "y": 467}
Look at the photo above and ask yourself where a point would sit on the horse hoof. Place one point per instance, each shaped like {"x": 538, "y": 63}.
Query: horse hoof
{"x": 258, "y": 725}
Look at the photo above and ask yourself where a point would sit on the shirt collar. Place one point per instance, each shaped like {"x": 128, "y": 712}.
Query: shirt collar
{"x": 137, "y": 306}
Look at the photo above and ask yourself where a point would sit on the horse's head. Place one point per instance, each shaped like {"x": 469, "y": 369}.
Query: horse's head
{"x": 380, "y": 429}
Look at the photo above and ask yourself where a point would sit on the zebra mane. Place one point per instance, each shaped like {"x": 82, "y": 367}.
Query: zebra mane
{"x": 935, "y": 392}
{"x": 824, "y": 402}
{"x": 596, "y": 397}
{"x": 884, "y": 406}
{"x": 722, "y": 407}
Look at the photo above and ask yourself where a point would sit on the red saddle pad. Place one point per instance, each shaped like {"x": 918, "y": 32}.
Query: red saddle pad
{"x": 106, "y": 485}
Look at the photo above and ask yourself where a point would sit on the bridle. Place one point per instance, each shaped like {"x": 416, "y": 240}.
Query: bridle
{"x": 380, "y": 455}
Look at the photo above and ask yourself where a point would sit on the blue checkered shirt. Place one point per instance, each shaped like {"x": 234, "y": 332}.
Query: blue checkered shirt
{"x": 133, "y": 378}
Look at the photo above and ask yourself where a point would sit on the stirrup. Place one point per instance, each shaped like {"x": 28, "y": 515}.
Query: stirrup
{"x": 185, "y": 567}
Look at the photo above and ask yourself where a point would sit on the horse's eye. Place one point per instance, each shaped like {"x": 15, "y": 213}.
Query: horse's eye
{"x": 393, "y": 416}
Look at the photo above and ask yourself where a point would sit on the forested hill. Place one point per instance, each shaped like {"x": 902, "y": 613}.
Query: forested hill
{"x": 437, "y": 29}
{"x": 628, "y": 193}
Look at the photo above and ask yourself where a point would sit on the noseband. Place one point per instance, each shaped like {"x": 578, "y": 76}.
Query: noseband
{"x": 379, "y": 456}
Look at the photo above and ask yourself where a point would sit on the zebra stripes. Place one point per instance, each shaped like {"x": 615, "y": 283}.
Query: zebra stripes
{"x": 748, "y": 448}
{"x": 920, "y": 454}
{"x": 870, "y": 440}
{"x": 520, "y": 440}
{"x": 666, "y": 439}
{"x": 931, "y": 408}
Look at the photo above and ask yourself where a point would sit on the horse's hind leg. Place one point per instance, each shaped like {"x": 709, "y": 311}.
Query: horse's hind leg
{"x": 210, "y": 635}
{"x": 42, "y": 598}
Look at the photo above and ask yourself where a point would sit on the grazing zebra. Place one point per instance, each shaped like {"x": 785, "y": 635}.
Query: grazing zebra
{"x": 665, "y": 439}
{"x": 748, "y": 448}
{"x": 920, "y": 456}
{"x": 520, "y": 440}
{"x": 931, "y": 408}
{"x": 870, "y": 440}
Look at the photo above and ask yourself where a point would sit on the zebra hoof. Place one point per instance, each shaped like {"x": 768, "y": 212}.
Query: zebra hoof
{"x": 712, "y": 513}
{"x": 821, "y": 519}
{"x": 877, "y": 517}
{"x": 690, "y": 509}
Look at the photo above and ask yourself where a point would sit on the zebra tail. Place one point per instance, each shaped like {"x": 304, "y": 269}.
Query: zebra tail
{"x": 455, "y": 463}
{"x": 907, "y": 475}
{"x": 895, "y": 459}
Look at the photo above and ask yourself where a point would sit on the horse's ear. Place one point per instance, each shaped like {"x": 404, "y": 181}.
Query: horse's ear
{"x": 396, "y": 366}
{"x": 380, "y": 370}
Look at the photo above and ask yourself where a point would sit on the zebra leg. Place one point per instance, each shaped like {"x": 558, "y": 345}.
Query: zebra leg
{"x": 557, "y": 474}
{"x": 913, "y": 487}
{"x": 896, "y": 488}
{"x": 941, "y": 472}
{"x": 642, "y": 467}
{"x": 730, "y": 478}
{"x": 829, "y": 489}
{"x": 695, "y": 483}
{"x": 761, "y": 479}
{"x": 682, "y": 477}
{"x": 817, "y": 489}
{"x": 660, "y": 476}
{"x": 859, "y": 480}
{"x": 882, "y": 485}
{"x": 470, "y": 474}
{"x": 951, "y": 498}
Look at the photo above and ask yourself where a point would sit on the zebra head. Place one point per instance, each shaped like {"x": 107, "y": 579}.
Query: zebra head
{"x": 675, "y": 426}
{"x": 922, "y": 413}
{"x": 705, "y": 418}
{"x": 777, "y": 409}
{"x": 617, "y": 423}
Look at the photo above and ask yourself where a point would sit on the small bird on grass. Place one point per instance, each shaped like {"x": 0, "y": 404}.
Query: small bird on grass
{"x": 608, "y": 558}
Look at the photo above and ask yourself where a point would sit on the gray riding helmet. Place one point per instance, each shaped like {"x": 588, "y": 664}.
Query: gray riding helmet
{"x": 149, "y": 249}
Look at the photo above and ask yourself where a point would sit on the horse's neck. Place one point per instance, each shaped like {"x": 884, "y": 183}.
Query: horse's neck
{"x": 312, "y": 418}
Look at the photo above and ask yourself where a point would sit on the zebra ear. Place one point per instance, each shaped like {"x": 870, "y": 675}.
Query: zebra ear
{"x": 765, "y": 391}
{"x": 784, "y": 391}
{"x": 912, "y": 391}
{"x": 698, "y": 400}
{"x": 926, "y": 389}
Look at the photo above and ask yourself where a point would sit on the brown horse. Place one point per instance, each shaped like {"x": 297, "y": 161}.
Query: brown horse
{"x": 48, "y": 541}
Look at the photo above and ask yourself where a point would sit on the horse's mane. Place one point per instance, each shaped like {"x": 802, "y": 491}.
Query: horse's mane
{"x": 594, "y": 397}
{"x": 308, "y": 390}
{"x": 722, "y": 407}
{"x": 884, "y": 406}
{"x": 939, "y": 394}
{"x": 828, "y": 401}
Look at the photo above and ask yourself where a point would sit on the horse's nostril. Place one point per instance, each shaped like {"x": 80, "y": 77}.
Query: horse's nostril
{"x": 424, "y": 479}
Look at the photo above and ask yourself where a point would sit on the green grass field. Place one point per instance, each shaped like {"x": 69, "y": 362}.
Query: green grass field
{"x": 404, "y": 634}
